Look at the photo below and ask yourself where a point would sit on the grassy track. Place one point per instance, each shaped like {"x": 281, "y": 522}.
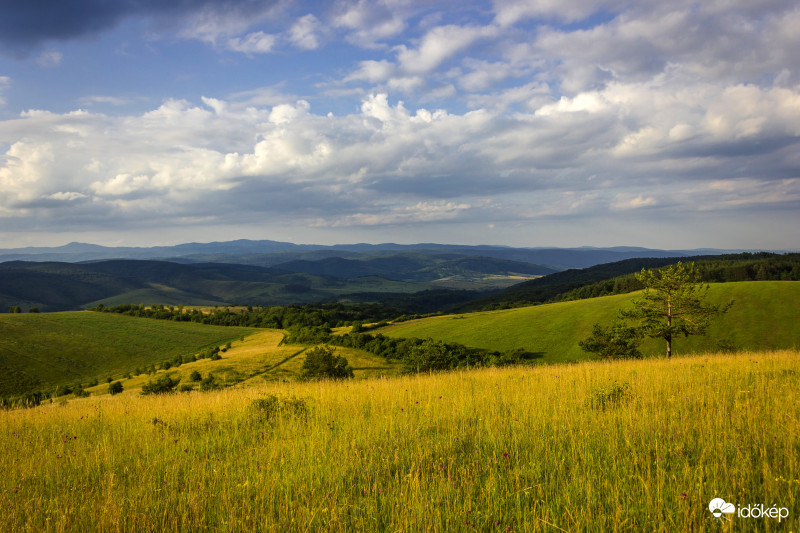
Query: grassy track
{"x": 40, "y": 351}
{"x": 765, "y": 315}
{"x": 519, "y": 449}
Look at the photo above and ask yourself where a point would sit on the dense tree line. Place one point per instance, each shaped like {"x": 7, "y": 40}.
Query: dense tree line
{"x": 416, "y": 355}
{"x": 731, "y": 268}
{"x": 620, "y": 278}
{"x": 278, "y": 317}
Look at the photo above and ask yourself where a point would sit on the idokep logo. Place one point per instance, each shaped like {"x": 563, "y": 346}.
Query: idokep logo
{"x": 720, "y": 508}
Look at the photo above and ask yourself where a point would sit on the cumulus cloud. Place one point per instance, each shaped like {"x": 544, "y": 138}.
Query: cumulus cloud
{"x": 304, "y": 33}
{"x": 368, "y": 23}
{"x": 387, "y": 164}
{"x": 439, "y": 44}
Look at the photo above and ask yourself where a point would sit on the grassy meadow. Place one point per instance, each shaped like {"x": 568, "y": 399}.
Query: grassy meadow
{"x": 255, "y": 359}
{"x": 765, "y": 316}
{"x": 621, "y": 446}
{"x": 42, "y": 350}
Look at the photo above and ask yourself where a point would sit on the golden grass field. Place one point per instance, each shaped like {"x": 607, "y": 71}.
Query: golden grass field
{"x": 597, "y": 446}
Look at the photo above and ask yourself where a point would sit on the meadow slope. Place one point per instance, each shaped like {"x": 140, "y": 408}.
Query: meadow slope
{"x": 39, "y": 351}
{"x": 765, "y": 316}
{"x": 623, "y": 446}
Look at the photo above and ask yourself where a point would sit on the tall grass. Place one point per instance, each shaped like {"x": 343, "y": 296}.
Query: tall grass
{"x": 520, "y": 449}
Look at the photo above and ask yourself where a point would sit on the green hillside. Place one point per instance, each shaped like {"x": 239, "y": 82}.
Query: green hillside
{"x": 40, "y": 351}
{"x": 765, "y": 315}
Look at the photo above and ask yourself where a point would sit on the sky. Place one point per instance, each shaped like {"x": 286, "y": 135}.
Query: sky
{"x": 671, "y": 124}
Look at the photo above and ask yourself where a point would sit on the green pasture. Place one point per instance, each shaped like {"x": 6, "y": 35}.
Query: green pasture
{"x": 765, "y": 316}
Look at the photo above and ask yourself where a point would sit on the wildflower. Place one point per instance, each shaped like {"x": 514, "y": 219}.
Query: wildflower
{"x": 505, "y": 455}
{"x": 683, "y": 495}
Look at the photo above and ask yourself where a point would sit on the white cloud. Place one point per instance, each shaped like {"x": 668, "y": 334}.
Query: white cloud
{"x": 509, "y": 12}
{"x": 111, "y": 100}
{"x": 219, "y": 24}
{"x": 373, "y": 71}
{"x": 370, "y": 22}
{"x": 304, "y": 33}
{"x": 440, "y": 44}
{"x": 485, "y": 74}
{"x": 253, "y": 43}
{"x": 421, "y": 212}
{"x": 66, "y": 196}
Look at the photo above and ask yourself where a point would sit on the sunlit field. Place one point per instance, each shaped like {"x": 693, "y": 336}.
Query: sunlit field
{"x": 624, "y": 446}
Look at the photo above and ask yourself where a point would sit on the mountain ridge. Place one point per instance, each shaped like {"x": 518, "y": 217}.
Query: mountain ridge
{"x": 270, "y": 252}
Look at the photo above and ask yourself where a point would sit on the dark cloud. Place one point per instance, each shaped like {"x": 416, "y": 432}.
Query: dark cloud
{"x": 24, "y": 25}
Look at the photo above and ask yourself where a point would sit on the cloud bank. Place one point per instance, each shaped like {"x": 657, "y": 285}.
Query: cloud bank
{"x": 526, "y": 117}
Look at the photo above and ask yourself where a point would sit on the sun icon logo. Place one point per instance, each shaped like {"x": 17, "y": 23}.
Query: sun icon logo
{"x": 719, "y": 508}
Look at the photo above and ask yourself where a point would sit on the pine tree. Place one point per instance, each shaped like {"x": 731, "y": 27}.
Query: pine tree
{"x": 673, "y": 303}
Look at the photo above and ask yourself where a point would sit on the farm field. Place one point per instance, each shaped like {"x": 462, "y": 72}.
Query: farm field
{"x": 623, "y": 446}
{"x": 765, "y": 316}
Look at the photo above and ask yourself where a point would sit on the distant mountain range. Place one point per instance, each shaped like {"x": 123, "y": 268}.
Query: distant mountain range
{"x": 414, "y": 278}
{"x": 267, "y": 253}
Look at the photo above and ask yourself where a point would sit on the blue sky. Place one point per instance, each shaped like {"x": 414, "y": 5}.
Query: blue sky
{"x": 529, "y": 123}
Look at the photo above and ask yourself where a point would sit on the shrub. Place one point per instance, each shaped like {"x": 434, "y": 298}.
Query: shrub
{"x": 612, "y": 395}
{"x": 115, "y": 388}
{"x": 615, "y": 342}
{"x": 162, "y": 385}
{"x": 272, "y": 407}
{"x": 195, "y": 376}
{"x": 62, "y": 390}
{"x": 186, "y": 387}
{"x": 321, "y": 362}
{"x": 210, "y": 383}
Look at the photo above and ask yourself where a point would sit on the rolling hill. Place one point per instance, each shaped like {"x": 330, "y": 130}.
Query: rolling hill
{"x": 765, "y": 316}
{"x": 69, "y": 286}
{"x": 39, "y": 351}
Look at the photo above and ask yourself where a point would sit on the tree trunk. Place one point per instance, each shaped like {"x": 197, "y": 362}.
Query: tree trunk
{"x": 669, "y": 330}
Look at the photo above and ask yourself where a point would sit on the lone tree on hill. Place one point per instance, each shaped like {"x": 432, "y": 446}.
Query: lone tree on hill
{"x": 673, "y": 304}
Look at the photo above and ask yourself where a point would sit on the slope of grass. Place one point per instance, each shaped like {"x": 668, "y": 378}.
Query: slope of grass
{"x": 523, "y": 449}
{"x": 40, "y": 351}
{"x": 254, "y": 359}
{"x": 765, "y": 315}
